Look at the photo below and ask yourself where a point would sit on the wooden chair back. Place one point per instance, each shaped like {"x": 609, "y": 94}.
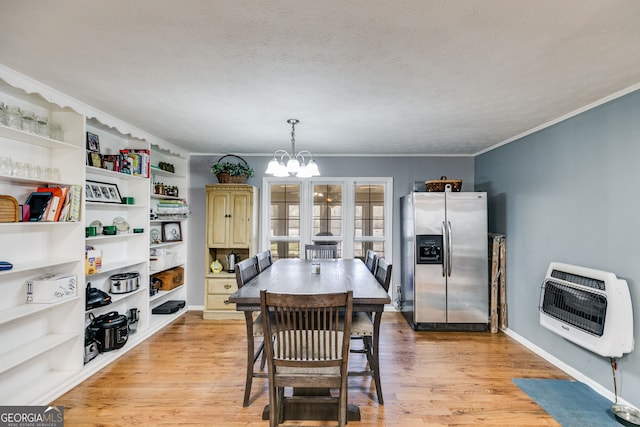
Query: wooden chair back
{"x": 264, "y": 260}
{"x": 321, "y": 251}
{"x": 246, "y": 270}
{"x": 370, "y": 260}
{"x": 383, "y": 273}
{"x": 310, "y": 345}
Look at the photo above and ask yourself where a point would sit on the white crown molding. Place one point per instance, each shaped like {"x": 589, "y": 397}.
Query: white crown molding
{"x": 550, "y": 123}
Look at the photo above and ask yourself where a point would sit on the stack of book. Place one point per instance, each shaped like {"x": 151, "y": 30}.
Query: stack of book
{"x": 56, "y": 204}
{"x": 172, "y": 209}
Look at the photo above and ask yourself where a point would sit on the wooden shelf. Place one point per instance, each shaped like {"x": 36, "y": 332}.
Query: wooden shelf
{"x": 104, "y": 172}
{"x": 24, "y": 310}
{"x": 155, "y": 170}
{"x": 32, "y": 349}
{"x": 20, "y": 267}
{"x": 98, "y": 205}
{"x": 111, "y": 267}
{"x": 33, "y": 139}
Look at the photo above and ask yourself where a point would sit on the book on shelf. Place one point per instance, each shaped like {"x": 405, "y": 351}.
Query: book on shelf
{"x": 170, "y": 203}
{"x": 56, "y": 204}
{"x": 63, "y": 204}
{"x": 74, "y": 209}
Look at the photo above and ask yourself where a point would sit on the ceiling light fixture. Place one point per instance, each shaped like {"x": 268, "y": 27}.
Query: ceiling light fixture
{"x": 300, "y": 164}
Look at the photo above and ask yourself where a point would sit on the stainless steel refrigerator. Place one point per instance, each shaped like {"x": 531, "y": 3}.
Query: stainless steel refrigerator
{"x": 444, "y": 280}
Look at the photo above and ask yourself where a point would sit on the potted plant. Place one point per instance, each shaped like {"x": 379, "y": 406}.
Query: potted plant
{"x": 228, "y": 172}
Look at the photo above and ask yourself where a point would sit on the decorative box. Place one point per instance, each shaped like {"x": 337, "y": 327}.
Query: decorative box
{"x": 93, "y": 261}
{"x": 170, "y": 279}
{"x": 50, "y": 288}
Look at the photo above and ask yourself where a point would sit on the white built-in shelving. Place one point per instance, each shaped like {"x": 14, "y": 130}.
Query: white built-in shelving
{"x": 35, "y": 336}
{"x": 42, "y": 355}
{"x": 176, "y": 251}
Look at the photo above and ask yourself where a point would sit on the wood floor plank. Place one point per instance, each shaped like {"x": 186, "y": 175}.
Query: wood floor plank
{"x": 192, "y": 374}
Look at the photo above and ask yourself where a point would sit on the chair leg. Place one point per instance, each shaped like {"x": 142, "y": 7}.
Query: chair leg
{"x": 273, "y": 406}
{"x": 250, "y": 358}
{"x": 342, "y": 405}
{"x": 280, "y": 406}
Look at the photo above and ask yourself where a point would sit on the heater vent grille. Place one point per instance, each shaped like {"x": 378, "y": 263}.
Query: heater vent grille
{"x": 591, "y": 308}
{"x": 589, "y": 282}
{"x": 576, "y": 307}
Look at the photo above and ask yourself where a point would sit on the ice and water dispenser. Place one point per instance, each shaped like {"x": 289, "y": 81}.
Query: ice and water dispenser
{"x": 429, "y": 249}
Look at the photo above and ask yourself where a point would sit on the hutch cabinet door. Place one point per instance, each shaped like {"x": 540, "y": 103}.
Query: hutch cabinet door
{"x": 240, "y": 219}
{"x": 217, "y": 216}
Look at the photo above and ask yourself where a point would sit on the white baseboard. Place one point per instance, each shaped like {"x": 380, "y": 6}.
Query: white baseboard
{"x": 566, "y": 368}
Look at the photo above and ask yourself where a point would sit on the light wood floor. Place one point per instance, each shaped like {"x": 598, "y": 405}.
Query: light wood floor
{"x": 192, "y": 373}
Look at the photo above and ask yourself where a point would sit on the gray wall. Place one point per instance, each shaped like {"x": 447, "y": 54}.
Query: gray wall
{"x": 404, "y": 170}
{"x": 570, "y": 193}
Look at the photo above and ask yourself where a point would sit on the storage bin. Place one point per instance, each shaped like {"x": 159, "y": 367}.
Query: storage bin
{"x": 171, "y": 278}
{"x": 163, "y": 260}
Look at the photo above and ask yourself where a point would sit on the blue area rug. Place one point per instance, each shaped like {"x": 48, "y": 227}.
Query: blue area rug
{"x": 571, "y": 403}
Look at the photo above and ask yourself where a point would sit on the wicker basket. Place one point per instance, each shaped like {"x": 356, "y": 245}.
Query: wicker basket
{"x": 439, "y": 185}
{"x": 225, "y": 178}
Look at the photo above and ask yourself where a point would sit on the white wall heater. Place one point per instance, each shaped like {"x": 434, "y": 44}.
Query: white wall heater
{"x": 591, "y": 308}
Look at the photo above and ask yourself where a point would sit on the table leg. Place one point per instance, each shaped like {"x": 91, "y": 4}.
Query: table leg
{"x": 375, "y": 360}
{"x": 248, "y": 317}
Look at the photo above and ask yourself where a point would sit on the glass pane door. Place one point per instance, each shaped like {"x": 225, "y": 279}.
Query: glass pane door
{"x": 327, "y": 215}
{"x": 369, "y": 219}
{"x": 284, "y": 227}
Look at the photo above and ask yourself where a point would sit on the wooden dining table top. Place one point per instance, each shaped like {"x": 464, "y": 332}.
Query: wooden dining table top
{"x": 297, "y": 276}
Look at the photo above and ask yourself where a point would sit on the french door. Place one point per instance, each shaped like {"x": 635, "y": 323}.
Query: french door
{"x": 354, "y": 213}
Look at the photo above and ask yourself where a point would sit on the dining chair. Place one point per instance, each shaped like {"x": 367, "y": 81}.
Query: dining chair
{"x": 264, "y": 260}
{"x": 370, "y": 260}
{"x": 310, "y": 348}
{"x": 321, "y": 251}
{"x": 246, "y": 270}
{"x": 362, "y": 328}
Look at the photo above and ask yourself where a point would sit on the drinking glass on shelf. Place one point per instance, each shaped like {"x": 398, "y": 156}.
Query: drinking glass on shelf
{"x": 35, "y": 171}
{"x": 42, "y": 126}
{"x": 20, "y": 169}
{"x": 5, "y": 165}
{"x": 13, "y": 117}
{"x": 56, "y": 132}
{"x": 28, "y": 121}
{"x": 3, "y": 116}
{"x": 52, "y": 174}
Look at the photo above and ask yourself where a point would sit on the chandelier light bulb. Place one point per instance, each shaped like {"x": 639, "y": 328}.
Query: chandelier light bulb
{"x": 293, "y": 166}
{"x": 272, "y": 167}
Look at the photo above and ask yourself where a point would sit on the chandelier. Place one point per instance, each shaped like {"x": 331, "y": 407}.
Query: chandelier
{"x": 300, "y": 164}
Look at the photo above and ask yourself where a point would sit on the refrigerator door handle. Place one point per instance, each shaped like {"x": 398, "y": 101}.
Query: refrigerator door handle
{"x": 444, "y": 260}
{"x": 449, "y": 232}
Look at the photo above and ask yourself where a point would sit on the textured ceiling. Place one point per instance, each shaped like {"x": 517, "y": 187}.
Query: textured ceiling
{"x": 363, "y": 76}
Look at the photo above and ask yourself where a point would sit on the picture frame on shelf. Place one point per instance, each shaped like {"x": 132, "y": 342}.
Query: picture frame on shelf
{"x": 102, "y": 192}
{"x": 109, "y": 162}
{"x": 94, "y": 159}
{"x": 171, "y": 232}
{"x": 93, "y": 142}
{"x": 155, "y": 235}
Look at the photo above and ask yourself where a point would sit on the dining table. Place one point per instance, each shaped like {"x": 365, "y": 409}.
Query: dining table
{"x": 302, "y": 276}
